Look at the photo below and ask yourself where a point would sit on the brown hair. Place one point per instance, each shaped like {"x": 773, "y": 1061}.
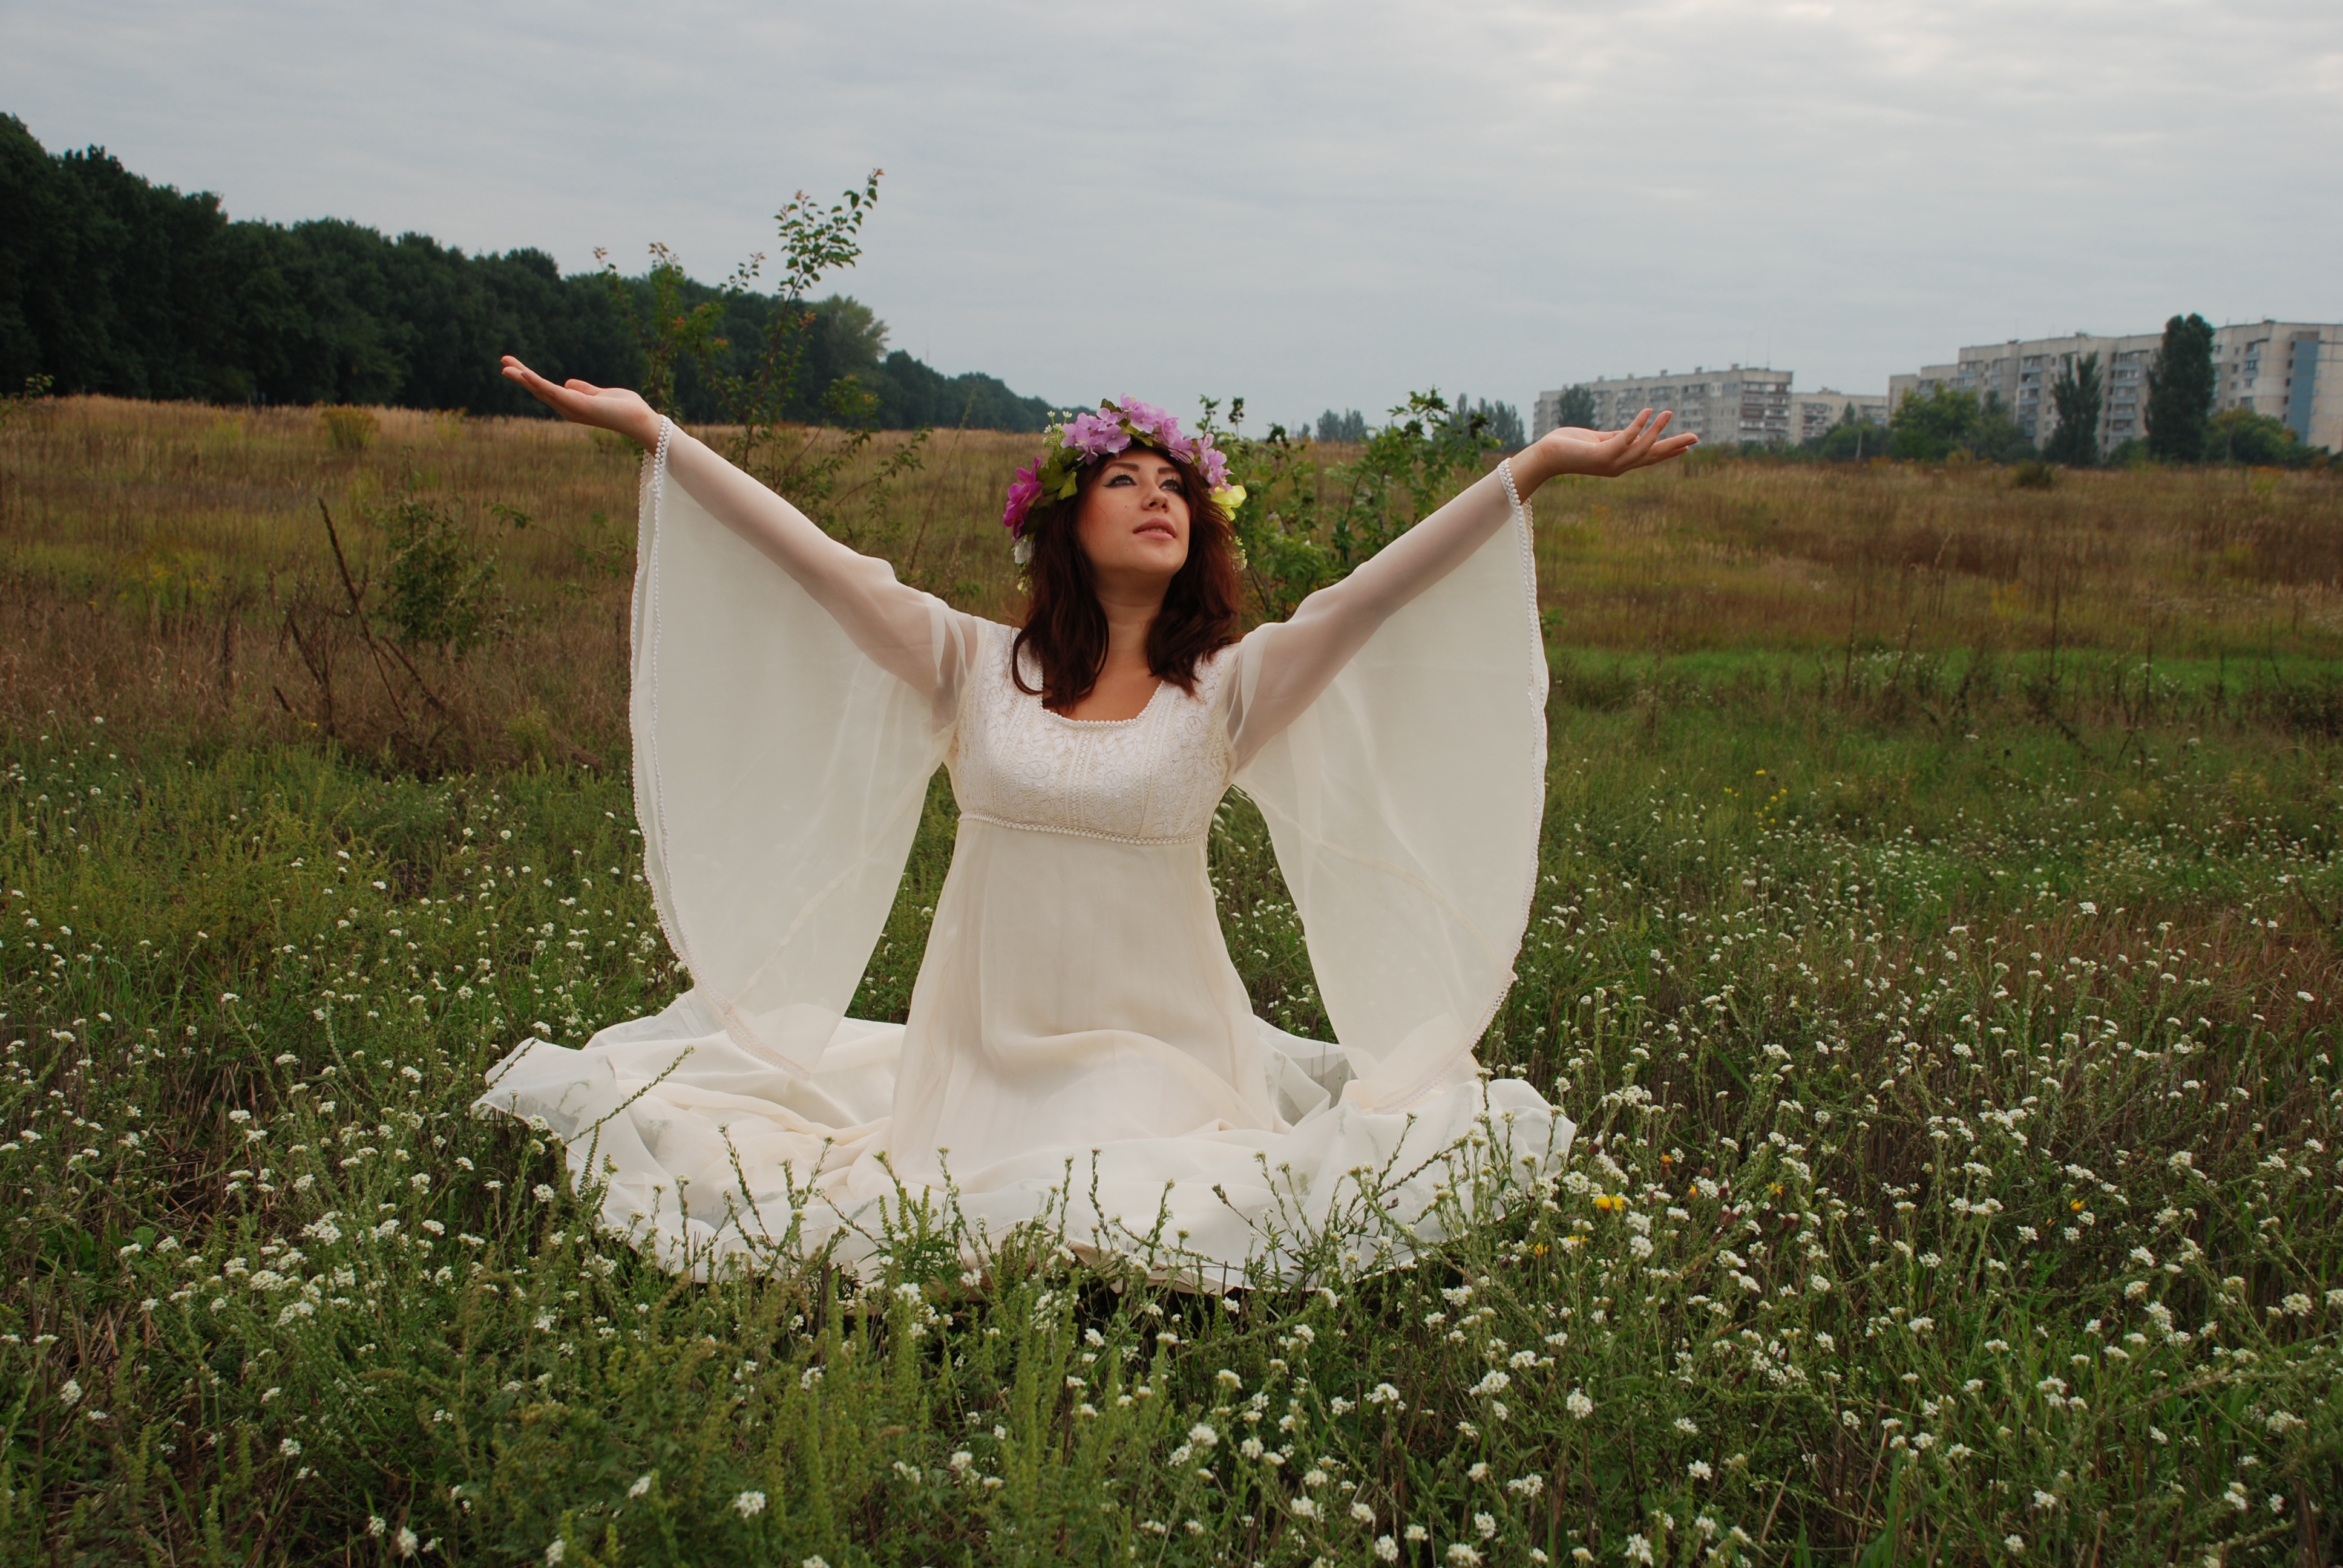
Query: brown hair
{"x": 1066, "y": 628}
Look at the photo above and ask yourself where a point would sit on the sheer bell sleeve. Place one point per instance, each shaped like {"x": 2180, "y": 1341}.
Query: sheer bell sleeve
{"x": 790, "y": 701}
{"x": 911, "y": 635}
{"x": 1393, "y": 735}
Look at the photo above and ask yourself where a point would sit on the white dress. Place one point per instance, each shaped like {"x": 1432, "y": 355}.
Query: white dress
{"x": 1081, "y": 1056}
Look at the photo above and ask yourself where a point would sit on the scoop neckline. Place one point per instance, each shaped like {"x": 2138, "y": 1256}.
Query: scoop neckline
{"x": 1152, "y": 697}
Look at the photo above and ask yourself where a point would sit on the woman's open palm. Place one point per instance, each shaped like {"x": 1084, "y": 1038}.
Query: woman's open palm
{"x": 616, "y": 408}
{"x": 1607, "y": 454}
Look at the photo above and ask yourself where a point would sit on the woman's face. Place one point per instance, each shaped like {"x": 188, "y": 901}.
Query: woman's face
{"x": 1134, "y": 520}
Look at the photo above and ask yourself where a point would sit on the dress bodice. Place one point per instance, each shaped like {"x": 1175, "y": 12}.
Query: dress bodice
{"x": 1151, "y": 779}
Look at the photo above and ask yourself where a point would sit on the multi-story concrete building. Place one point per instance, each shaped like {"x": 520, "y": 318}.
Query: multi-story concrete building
{"x": 1814, "y": 414}
{"x": 2272, "y": 367}
{"x": 2290, "y": 371}
{"x": 1739, "y": 404}
{"x": 2021, "y": 372}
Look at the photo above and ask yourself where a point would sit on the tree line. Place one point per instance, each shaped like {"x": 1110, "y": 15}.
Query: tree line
{"x": 1501, "y": 422}
{"x": 110, "y": 283}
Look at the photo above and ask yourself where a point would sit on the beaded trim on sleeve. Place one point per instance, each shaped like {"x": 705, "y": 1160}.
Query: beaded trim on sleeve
{"x": 670, "y": 918}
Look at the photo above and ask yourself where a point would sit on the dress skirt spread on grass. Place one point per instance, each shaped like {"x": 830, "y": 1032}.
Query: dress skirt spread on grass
{"x": 1079, "y": 1050}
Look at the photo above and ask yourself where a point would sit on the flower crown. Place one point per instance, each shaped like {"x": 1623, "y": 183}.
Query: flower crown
{"x": 1088, "y": 438}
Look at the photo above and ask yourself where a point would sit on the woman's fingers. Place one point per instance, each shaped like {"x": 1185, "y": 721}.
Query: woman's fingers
{"x": 1642, "y": 443}
{"x": 1661, "y": 451}
{"x": 1614, "y": 451}
{"x": 579, "y": 402}
{"x": 538, "y": 387}
{"x": 1624, "y": 449}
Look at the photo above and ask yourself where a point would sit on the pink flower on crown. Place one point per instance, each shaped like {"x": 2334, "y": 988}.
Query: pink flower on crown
{"x": 1215, "y": 466}
{"x": 1024, "y": 491}
{"x": 1094, "y": 436}
{"x": 1146, "y": 419}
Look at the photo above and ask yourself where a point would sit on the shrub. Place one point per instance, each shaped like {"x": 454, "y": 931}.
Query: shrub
{"x": 348, "y": 429}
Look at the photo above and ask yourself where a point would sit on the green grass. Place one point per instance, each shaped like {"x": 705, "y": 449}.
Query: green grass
{"x": 1959, "y": 1162}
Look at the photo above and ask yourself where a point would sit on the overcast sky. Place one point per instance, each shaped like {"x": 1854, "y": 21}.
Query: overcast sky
{"x": 1309, "y": 205}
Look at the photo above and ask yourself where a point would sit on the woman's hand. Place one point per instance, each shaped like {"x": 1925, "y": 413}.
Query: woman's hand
{"x": 1599, "y": 454}
{"x": 583, "y": 403}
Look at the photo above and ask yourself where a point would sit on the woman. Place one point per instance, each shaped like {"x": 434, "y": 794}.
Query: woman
{"x": 1080, "y": 1049}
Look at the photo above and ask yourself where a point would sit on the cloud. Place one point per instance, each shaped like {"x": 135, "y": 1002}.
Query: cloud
{"x": 1309, "y": 205}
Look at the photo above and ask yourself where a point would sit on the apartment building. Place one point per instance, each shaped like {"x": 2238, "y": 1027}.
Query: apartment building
{"x": 1814, "y": 414}
{"x": 2272, "y": 367}
{"x": 1739, "y": 404}
{"x": 2290, "y": 371}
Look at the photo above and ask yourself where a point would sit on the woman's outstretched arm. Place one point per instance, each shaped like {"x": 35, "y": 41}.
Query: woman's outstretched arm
{"x": 893, "y": 623}
{"x": 1299, "y": 657}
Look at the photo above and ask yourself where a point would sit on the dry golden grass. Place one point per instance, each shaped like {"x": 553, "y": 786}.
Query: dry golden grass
{"x": 152, "y": 555}
{"x": 155, "y": 559}
{"x": 1753, "y": 554}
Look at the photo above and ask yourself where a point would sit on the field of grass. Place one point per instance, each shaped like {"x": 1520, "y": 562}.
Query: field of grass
{"x": 1936, "y": 946}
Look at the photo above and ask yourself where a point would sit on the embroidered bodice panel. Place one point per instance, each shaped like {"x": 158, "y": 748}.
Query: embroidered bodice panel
{"x": 1149, "y": 780}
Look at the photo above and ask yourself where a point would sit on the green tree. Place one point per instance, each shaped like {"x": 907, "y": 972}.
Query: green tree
{"x": 1576, "y": 409}
{"x": 2242, "y": 436}
{"x": 1503, "y": 423}
{"x": 1851, "y": 440}
{"x": 2075, "y": 397}
{"x": 1949, "y": 420}
{"x": 1931, "y": 428}
{"x": 2180, "y": 391}
{"x": 1997, "y": 438}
